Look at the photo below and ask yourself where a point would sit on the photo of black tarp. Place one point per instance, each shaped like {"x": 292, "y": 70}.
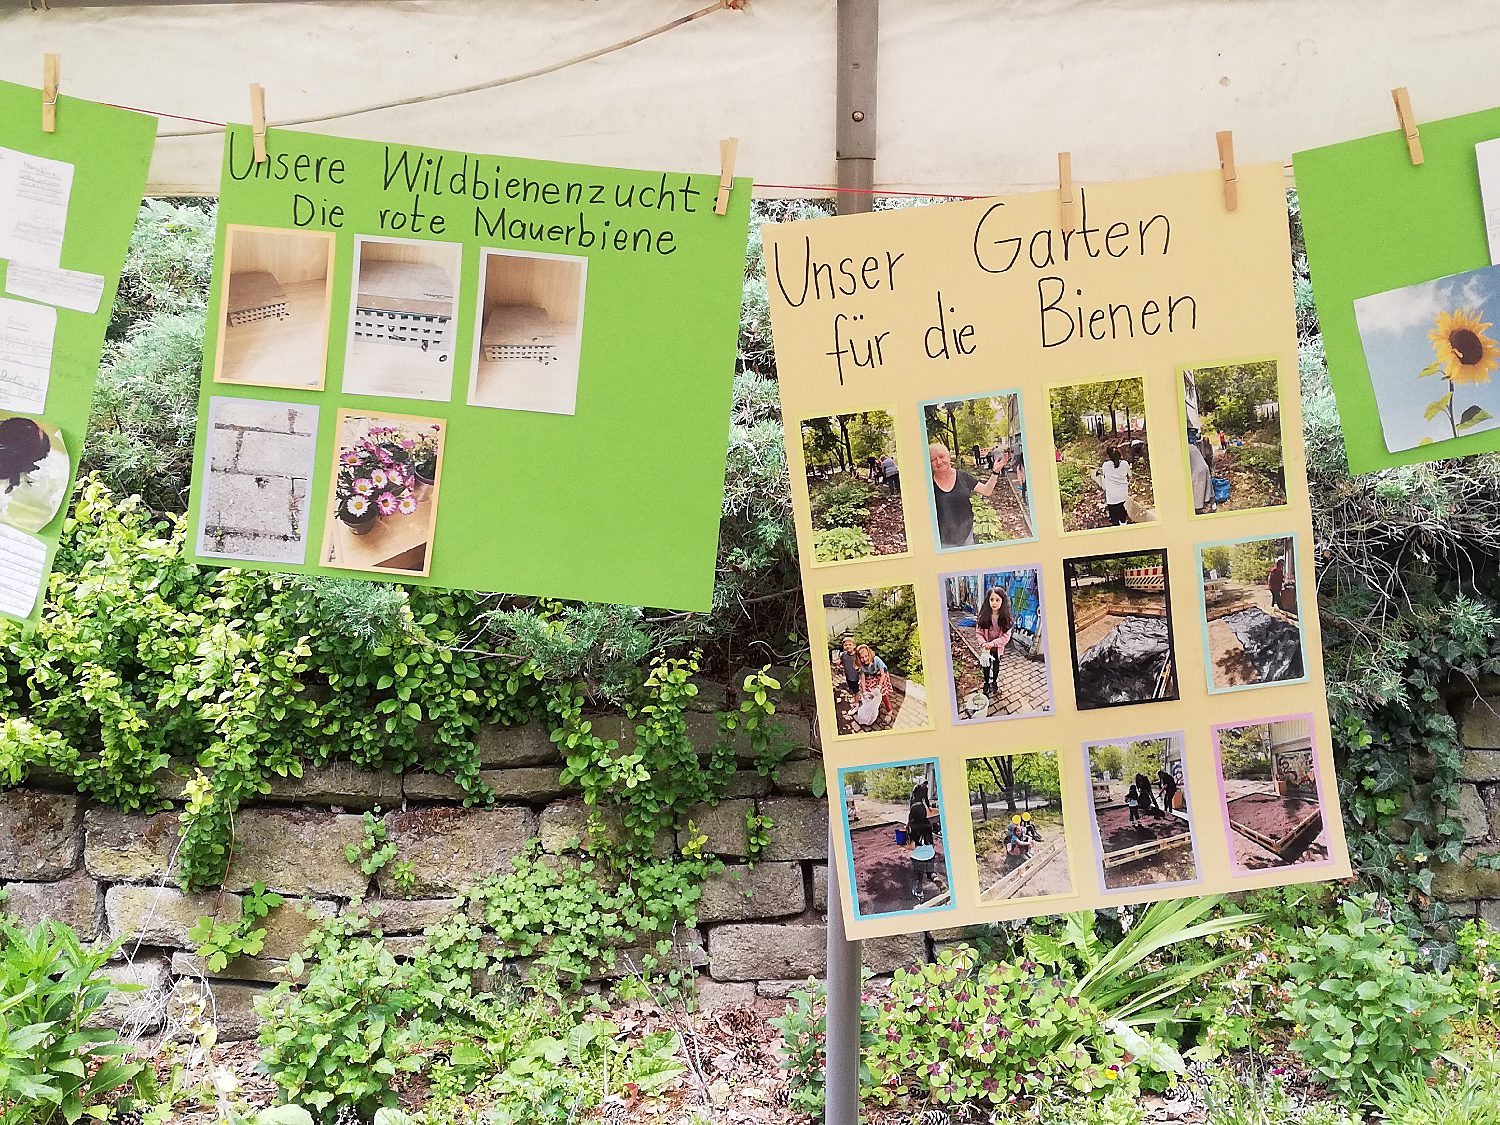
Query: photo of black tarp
{"x": 1127, "y": 666}
{"x": 1272, "y": 644}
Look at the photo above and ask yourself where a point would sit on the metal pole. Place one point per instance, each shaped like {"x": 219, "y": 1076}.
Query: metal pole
{"x": 858, "y": 27}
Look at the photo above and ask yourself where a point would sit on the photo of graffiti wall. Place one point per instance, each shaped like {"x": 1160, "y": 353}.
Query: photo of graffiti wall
{"x": 1271, "y": 794}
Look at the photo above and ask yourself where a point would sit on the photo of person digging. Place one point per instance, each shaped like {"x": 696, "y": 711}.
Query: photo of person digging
{"x": 875, "y": 660}
{"x": 1235, "y": 459}
{"x": 897, "y": 855}
{"x": 991, "y": 507}
{"x": 1102, "y": 454}
{"x": 1250, "y": 611}
{"x": 1120, "y": 629}
{"x": 853, "y": 486}
{"x": 1020, "y": 843}
{"x": 1140, "y": 812}
{"x": 997, "y": 655}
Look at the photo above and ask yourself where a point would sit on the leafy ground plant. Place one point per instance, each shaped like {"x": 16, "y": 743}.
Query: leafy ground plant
{"x": 1073, "y": 1017}
{"x": 53, "y": 1067}
{"x": 1366, "y": 1012}
{"x": 1467, "y": 1095}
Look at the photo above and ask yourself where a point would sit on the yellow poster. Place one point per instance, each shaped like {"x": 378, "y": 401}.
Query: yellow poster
{"x": 1055, "y": 537}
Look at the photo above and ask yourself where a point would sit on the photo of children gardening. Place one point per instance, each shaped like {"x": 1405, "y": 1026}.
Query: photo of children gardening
{"x": 853, "y": 486}
{"x": 1250, "y": 607}
{"x": 1140, "y": 812}
{"x": 997, "y": 655}
{"x": 1234, "y": 453}
{"x": 1103, "y": 459}
{"x": 875, "y": 660}
{"x": 1015, "y": 804}
{"x": 893, "y": 816}
{"x": 1269, "y": 776}
{"x": 977, "y": 470}
{"x": 1120, "y": 627}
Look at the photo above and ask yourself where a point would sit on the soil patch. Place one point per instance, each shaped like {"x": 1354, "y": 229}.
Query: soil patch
{"x": 883, "y": 872}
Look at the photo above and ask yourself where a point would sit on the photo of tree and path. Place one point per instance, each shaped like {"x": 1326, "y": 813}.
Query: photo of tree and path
{"x": 1102, "y": 452}
{"x": 853, "y": 486}
{"x": 1235, "y": 458}
{"x": 1020, "y": 842}
{"x": 977, "y": 470}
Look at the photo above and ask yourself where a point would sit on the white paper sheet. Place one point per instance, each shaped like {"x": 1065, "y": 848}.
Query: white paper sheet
{"x": 1487, "y": 156}
{"x": 68, "y": 289}
{"x": 34, "y": 195}
{"x": 26, "y": 335}
{"x": 22, "y": 558}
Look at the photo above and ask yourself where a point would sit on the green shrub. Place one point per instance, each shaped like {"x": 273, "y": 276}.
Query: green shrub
{"x": 54, "y": 1068}
{"x": 841, "y": 505}
{"x": 1476, "y": 970}
{"x": 509, "y": 1054}
{"x": 1365, "y": 1013}
{"x": 573, "y": 914}
{"x": 889, "y": 627}
{"x": 839, "y": 544}
{"x": 1072, "y": 483}
{"x": 1069, "y": 1020}
{"x": 1256, "y": 1098}
{"x": 987, "y": 525}
{"x": 1466, "y": 1095}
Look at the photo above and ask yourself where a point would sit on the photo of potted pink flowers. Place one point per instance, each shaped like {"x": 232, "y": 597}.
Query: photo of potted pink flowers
{"x": 384, "y": 493}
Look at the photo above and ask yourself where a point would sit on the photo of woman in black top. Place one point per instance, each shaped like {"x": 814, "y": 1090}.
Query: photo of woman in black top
{"x": 951, "y": 489}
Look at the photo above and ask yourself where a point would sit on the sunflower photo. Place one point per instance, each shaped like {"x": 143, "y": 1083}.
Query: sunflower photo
{"x": 1433, "y": 357}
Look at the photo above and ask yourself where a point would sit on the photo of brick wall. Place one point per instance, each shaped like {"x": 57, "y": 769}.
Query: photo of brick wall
{"x": 255, "y": 492}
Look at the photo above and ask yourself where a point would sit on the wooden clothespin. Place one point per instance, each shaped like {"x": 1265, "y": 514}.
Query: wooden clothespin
{"x": 258, "y": 120}
{"x": 51, "y": 66}
{"x": 1226, "y": 169}
{"x": 1408, "y": 122}
{"x": 729, "y": 148}
{"x": 1065, "y": 190}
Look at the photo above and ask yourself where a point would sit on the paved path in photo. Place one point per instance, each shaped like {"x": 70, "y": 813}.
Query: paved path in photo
{"x": 1045, "y": 872}
{"x": 1023, "y": 681}
{"x": 908, "y": 707}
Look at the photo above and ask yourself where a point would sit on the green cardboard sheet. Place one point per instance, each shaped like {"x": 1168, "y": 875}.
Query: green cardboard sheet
{"x": 109, "y": 150}
{"x": 560, "y": 340}
{"x": 1374, "y": 222}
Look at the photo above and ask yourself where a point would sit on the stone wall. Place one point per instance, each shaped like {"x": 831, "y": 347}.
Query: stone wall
{"x": 109, "y": 874}
{"x": 1470, "y": 890}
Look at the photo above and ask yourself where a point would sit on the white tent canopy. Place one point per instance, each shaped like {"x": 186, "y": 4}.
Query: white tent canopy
{"x": 975, "y": 96}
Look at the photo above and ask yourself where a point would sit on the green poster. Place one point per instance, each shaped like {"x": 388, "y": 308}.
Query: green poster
{"x": 1386, "y": 241}
{"x": 68, "y": 202}
{"x": 478, "y": 372}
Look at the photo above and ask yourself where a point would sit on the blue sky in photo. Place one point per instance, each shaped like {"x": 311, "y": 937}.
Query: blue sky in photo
{"x": 1393, "y": 327}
